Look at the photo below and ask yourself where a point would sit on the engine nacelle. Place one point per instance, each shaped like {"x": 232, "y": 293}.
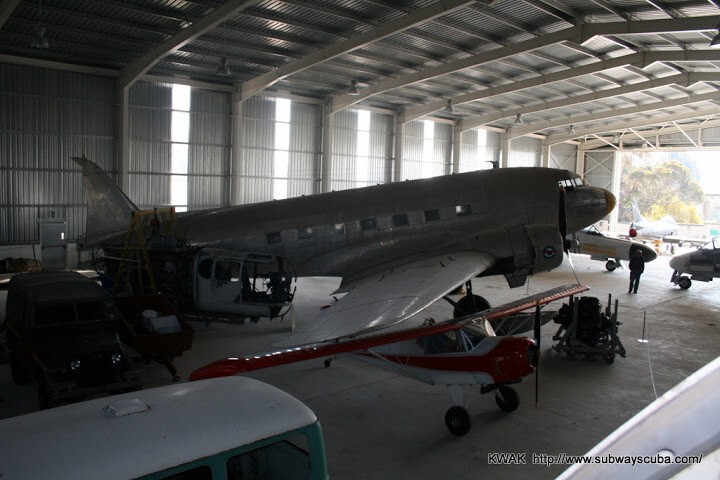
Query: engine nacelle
{"x": 535, "y": 248}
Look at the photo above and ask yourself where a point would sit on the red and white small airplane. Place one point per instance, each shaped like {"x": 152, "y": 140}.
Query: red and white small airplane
{"x": 457, "y": 353}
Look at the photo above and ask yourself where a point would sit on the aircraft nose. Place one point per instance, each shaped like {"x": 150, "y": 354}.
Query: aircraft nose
{"x": 648, "y": 253}
{"x": 678, "y": 262}
{"x": 586, "y": 205}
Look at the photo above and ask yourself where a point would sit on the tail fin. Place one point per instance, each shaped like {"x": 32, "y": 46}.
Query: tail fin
{"x": 109, "y": 209}
{"x": 637, "y": 216}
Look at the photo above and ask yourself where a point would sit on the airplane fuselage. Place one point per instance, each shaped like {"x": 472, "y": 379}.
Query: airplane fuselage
{"x": 512, "y": 214}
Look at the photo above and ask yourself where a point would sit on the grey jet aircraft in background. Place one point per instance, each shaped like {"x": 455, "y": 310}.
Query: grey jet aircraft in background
{"x": 399, "y": 247}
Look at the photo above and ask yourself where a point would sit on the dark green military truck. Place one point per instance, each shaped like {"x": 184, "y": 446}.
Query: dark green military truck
{"x": 62, "y": 329}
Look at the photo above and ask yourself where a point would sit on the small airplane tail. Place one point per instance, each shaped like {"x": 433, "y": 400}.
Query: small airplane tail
{"x": 637, "y": 216}
{"x": 108, "y": 208}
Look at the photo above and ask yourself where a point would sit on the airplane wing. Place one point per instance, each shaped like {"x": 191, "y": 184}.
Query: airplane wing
{"x": 232, "y": 366}
{"x": 390, "y": 296}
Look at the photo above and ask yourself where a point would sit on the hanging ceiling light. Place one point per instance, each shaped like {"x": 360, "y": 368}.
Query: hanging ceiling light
{"x": 223, "y": 68}
{"x": 39, "y": 38}
{"x": 715, "y": 42}
{"x": 518, "y": 118}
{"x": 353, "y": 90}
{"x": 449, "y": 107}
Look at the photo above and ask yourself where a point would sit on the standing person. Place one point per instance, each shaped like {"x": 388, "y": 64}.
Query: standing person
{"x": 637, "y": 267}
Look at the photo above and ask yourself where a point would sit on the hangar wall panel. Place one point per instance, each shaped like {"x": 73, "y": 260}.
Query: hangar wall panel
{"x": 46, "y": 117}
{"x": 360, "y": 159}
{"x": 478, "y": 150}
{"x": 257, "y": 169}
{"x": 525, "y": 152}
{"x": 599, "y": 167}
{"x": 563, "y": 156}
{"x": 424, "y": 155}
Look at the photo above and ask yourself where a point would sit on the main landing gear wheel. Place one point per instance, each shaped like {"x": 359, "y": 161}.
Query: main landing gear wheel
{"x": 684, "y": 282}
{"x": 610, "y": 265}
{"x": 457, "y": 420}
{"x": 507, "y": 399}
{"x": 470, "y": 304}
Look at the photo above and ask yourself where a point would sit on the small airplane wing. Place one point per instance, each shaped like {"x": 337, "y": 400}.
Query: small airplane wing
{"x": 232, "y": 366}
{"x": 391, "y": 296}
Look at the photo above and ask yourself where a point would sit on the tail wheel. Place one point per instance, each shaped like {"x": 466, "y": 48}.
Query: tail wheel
{"x": 507, "y": 399}
{"x": 470, "y": 304}
{"x": 457, "y": 420}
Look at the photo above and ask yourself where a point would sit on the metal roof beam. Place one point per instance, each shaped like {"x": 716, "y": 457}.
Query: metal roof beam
{"x": 685, "y": 133}
{"x": 638, "y": 123}
{"x": 140, "y": 66}
{"x": 614, "y": 113}
{"x": 251, "y": 87}
{"x": 635, "y": 62}
{"x": 6, "y": 9}
{"x": 685, "y": 78}
{"x": 578, "y": 34}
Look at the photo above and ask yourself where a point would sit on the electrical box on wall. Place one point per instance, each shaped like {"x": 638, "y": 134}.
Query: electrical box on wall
{"x": 53, "y": 243}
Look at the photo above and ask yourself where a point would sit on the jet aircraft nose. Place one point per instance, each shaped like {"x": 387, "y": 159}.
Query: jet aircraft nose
{"x": 586, "y": 205}
{"x": 648, "y": 253}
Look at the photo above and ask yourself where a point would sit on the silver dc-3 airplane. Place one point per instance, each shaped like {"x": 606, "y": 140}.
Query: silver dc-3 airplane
{"x": 509, "y": 222}
{"x": 400, "y": 247}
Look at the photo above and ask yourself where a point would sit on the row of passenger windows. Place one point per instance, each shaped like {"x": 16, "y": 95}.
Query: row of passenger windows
{"x": 367, "y": 224}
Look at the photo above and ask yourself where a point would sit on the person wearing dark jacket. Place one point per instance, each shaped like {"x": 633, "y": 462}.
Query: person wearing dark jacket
{"x": 637, "y": 267}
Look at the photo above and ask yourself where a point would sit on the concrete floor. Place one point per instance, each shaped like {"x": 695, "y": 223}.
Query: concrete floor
{"x": 381, "y": 425}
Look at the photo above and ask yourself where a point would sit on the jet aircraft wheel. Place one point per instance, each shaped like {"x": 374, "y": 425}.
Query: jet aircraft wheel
{"x": 507, "y": 399}
{"x": 684, "y": 282}
{"x": 457, "y": 420}
{"x": 610, "y": 265}
{"x": 470, "y": 304}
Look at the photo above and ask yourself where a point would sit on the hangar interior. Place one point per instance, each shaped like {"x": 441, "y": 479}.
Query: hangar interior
{"x": 209, "y": 103}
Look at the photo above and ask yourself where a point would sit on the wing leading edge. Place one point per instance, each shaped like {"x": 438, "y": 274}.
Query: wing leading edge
{"x": 232, "y": 366}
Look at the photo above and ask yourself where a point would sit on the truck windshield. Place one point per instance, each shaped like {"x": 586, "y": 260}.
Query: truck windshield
{"x": 69, "y": 313}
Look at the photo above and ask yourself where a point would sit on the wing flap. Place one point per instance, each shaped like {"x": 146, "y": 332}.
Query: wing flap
{"x": 388, "y": 297}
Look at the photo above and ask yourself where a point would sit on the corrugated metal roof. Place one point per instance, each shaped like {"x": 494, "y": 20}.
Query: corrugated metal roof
{"x": 317, "y": 47}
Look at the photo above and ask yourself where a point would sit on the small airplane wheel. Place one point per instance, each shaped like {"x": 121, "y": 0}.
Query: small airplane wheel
{"x": 684, "y": 282}
{"x": 457, "y": 420}
{"x": 507, "y": 399}
{"x": 467, "y": 305}
{"x": 327, "y": 362}
{"x": 610, "y": 265}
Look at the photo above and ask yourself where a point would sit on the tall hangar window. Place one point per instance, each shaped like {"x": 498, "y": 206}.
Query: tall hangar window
{"x": 281, "y": 154}
{"x": 180, "y": 137}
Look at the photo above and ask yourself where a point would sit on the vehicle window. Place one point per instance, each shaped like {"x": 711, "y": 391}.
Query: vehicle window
{"x": 287, "y": 459}
{"x": 462, "y": 210}
{"x": 400, "y": 219}
{"x": 304, "y": 233}
{"x": 55, "y": 314}
{"x": 368, "y": 224}
{"x": 338, "y": 229}
{"x": 432, "y": 215}
{"x": 205, "y": 268}
{"x": 95, "y": 311}
{"x": 226, "y": 271}
{"x": 273, "y": 237}
{"x": 198, "y": 473}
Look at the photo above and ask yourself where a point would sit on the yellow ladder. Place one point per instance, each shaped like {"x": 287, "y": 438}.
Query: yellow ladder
{"x": 134, "y": 259}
